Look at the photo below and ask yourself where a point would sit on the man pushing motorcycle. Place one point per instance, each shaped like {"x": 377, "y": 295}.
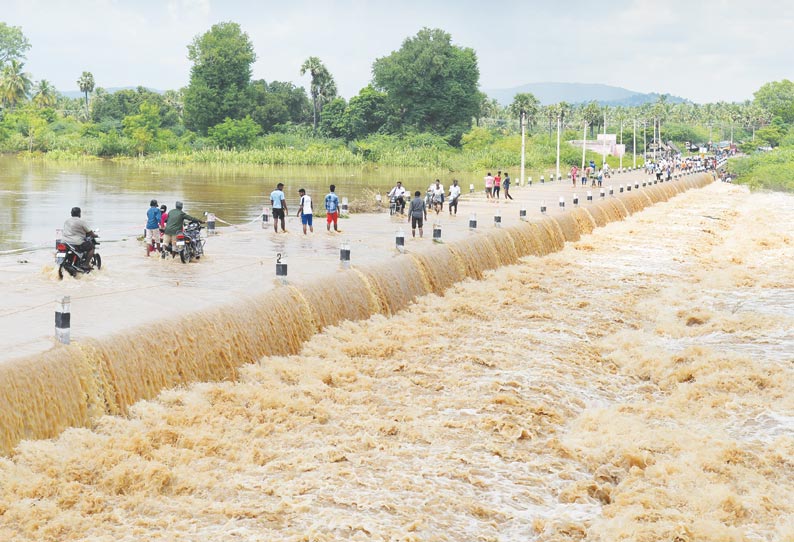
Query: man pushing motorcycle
{"x": 176, "y": 220}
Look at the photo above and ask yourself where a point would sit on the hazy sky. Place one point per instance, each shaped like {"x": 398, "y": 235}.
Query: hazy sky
{"x": 703, "y": 50}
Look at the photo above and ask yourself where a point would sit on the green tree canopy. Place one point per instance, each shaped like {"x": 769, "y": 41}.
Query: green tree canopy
{"x": 777, "y": 97}
{"x": 123, "y": 103}
{"x": 222, "y": 59}
{"x": 432, "y": 84}
{"x": 13, "y": 43}
{"x": 277, "y": 103}
{"x": 231, "y": 134}
{"x": 143, "y": 128}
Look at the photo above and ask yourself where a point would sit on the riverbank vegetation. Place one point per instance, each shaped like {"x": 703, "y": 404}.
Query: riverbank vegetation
{"x": 422, "y": 109}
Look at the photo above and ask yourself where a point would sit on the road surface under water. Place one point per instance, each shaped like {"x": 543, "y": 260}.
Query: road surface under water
{"x": 636, "y": 385}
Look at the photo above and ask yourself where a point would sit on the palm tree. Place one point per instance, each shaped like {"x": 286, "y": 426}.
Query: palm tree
{"x": 526, "y": 103}
{"x": 86, "y": 84}
{"x": 322, "y": 87}
{"x": 14, "y": 84}
{"x": 44, "y": 94}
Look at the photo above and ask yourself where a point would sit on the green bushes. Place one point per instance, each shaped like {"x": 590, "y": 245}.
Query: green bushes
{"x": 766, "y": 170}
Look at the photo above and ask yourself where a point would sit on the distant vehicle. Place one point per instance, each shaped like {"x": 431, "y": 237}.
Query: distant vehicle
{"x": 765, "y": 149}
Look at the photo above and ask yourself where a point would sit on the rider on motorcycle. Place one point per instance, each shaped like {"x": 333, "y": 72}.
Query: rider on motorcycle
{"x": 75, "y": 232}
{"x": 397, "y": 194}
{"x": 176, "y": 219}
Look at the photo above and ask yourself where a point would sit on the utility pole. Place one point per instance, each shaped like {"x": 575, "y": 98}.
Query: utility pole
{"x": 559, "y": 120}
{"x": 634, "y": 144}
{"x": 604, "y": 143}
{"x": 522, "y": 116}
{"x": 584, "y": 140}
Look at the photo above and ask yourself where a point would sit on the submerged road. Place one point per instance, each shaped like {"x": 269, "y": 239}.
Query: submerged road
{"x": 133, "y": 290}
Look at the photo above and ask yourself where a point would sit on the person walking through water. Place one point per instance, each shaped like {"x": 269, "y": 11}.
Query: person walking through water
{"x": 438, "y": 197}
{"x": 574, "y": 175}
{"x": 488, "y": 185}
{"x": 497, "y": 184}
{"x": 332, "y": 209}
{"x": 153, "y": 216}
{"x": 416, "y": 212}
{"x": 305, "y": 210}
{"x": 506, "y": 184}
{"x": 279, "y": 203}
{"x": 454, "y": 194}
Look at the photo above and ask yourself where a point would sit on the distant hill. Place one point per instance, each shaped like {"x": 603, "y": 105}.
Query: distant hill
{"x": 573, "y": 93}
{"x": 111, "y": 90}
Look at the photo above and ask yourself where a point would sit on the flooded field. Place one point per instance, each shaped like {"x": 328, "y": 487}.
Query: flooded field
{"x": 636, "y": 385}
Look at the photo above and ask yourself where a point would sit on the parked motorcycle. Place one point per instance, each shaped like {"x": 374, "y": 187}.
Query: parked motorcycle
{"x": 189, "y": 243}
{"x": 68, "y": 258}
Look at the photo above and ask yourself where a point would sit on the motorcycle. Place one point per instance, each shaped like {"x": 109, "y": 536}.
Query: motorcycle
{"x": 189, "y": 243}
{"x": 68, "y": 258}
{"x": 396, "y": 205}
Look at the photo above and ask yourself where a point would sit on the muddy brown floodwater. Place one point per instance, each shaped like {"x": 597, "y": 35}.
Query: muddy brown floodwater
{"x": 635, "y": 385}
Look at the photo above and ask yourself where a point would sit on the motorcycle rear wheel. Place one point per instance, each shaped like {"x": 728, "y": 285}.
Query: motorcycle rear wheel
{"x": 186, "y": 254}
{"x": 69, "y": 269}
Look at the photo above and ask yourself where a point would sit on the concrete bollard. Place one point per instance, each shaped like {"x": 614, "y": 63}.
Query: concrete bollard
{"x": 265, "y": 217}
{"x": 522, "y": 213}
{"x": 210, "y": 223}
{"x": 399, "y": 240}
{"x": 543, "y": 207}
{"x": 471, "y": 189}
{"x": 63, "y": 320}
{"x": 437, "y": 232}
{"x": 344, "y": 254}
{"x": 542, "y": 180}
{"x": 589, "y": 195}
{"x": 281, "y": 267}
{"x": 562, "y": 202}
{"x": 497, "y": 219}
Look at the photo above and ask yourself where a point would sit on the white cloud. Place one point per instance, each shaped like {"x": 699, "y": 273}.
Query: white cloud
{"x": 706, "y": 51}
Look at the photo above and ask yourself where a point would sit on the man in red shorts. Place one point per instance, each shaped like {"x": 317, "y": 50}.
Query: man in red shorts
{"x": 332, "y": 209}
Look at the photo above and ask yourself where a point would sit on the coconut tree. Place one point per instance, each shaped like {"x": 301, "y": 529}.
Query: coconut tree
{"x": 14, "y": 84}
{"x": 86, "y": 84}
{"x": 44, "y": 94}
{"x": 322, "y": 86}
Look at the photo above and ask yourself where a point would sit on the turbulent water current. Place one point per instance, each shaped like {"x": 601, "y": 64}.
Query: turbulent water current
{"x": 637, "y": 385}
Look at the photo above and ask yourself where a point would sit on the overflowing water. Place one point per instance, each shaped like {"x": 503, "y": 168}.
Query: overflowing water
{"x": 633, "y": 385}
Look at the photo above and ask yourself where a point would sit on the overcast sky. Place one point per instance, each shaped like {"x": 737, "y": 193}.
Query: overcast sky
{"x": 702, "y": 50}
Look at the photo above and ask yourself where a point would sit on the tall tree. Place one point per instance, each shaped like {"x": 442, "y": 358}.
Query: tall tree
{"x": 777, "y": 97}
{"x": 432, "y": 84}
{"x": 44, "y": 94}
{"x": 527, "y": 103}
{"x": 86, "y": 85}
{"x": 322, "y": 87}
{"x": 13, "y": 43}
{"x": 14, "y": 84}
{"x": 222, "y": 59}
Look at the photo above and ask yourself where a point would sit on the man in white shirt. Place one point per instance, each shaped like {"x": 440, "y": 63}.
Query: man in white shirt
{"x": 454, "y": 194}
{"x": 305, "y": 210}
{"x": 398, "y": 193}
{"x": 438, "y": 196}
